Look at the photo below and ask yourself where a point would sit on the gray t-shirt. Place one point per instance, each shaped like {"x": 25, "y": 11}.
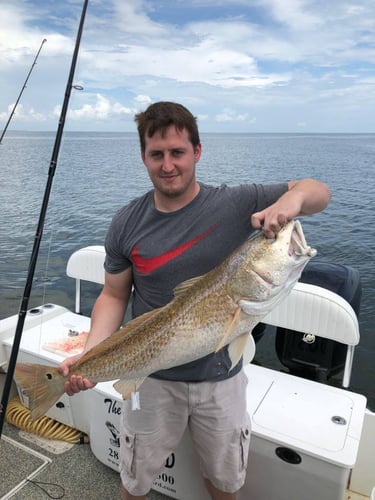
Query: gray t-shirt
{"x": 165, "y": 249}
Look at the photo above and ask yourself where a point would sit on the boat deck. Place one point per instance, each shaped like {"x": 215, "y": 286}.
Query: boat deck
{"x": 355, "y": 496}
{"x": 59, "y": 470}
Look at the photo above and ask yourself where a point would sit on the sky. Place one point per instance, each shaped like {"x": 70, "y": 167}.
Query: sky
{"x": 248, "y": 66}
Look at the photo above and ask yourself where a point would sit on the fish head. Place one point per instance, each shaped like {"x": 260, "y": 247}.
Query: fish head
{"x": 267, "y": 267}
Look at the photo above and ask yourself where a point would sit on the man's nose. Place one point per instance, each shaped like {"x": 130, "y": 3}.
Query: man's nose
{"x": 168, "y": 163}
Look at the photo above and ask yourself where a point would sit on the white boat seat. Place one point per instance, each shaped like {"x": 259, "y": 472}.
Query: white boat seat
{"x": 316, "y": 311}
{"x": 308, "y": 308}
{"x": 86, "y": 264}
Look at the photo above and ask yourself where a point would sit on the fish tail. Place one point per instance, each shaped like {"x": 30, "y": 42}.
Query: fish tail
{"x": 42, "y": 384}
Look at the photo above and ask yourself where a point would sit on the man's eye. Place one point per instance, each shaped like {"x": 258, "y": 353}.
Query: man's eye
{"x": 177, "y": 153}
{"x": 156, "y": 155}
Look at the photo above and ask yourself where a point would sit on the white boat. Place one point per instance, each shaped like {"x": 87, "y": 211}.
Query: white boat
{"x": 309, "y": 440}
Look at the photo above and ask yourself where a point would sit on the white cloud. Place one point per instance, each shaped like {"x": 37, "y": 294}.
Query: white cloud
{"x": 22, "y": 114}
{"x": 100, "y": 108}
{"x": 264, "y": 55}
{"x": 142, "y": 100}
{"x": 229, "y": 115}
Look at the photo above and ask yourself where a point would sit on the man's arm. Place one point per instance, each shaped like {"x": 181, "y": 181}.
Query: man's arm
{"x": 107, "y": 316}
{"x": 304, "y": 197}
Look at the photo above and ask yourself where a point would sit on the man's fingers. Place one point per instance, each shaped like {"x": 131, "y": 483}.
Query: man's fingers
{"x": 76, "y": 384}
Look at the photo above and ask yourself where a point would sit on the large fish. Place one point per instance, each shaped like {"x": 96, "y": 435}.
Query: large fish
{"x": 207, "y": 313}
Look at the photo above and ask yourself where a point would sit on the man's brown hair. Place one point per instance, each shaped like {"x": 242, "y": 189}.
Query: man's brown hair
{"x": 161, "y": 115}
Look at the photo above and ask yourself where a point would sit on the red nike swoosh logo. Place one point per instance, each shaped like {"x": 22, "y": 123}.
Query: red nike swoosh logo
{"x": 146, "y": 265}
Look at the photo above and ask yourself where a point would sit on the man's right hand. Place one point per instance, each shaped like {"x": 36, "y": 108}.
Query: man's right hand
{"x": 75, "y": 383}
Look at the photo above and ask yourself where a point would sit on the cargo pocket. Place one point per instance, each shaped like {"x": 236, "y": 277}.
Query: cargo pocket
{"x": 128, "y": 454}
{"x": 244, "y": 447}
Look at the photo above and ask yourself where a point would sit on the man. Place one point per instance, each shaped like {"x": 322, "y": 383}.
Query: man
{"x": 180, "y": 229}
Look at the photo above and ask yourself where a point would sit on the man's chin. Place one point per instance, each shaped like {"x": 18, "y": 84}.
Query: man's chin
{"x": 171, "y": 191}
{"x": 172, "y": 194}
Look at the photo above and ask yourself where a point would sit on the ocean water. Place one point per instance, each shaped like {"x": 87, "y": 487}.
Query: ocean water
{"x": 99, "y": 172}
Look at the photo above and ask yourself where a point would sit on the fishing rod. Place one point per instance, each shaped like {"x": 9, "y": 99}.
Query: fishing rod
{"x": 23, "y": 88}
{"x": 40, "y": 227}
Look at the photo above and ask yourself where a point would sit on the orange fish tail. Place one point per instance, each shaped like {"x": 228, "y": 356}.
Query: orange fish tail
{"x": 42, "y": 384}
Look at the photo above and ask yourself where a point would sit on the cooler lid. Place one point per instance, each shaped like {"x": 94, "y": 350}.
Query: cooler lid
{"x": 318, "y": 419}
{"x": 314, "y": 415}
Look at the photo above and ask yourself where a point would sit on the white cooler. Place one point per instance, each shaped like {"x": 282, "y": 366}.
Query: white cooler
{"x": 305, "y": 438}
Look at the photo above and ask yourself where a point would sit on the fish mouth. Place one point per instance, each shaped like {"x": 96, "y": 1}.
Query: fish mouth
{"x": 298, "y": 246}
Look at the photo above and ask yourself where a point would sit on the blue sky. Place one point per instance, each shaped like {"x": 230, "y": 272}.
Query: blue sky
{"x": 239, "y": 65}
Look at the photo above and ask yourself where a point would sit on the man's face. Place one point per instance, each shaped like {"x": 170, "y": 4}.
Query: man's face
{"x": 170, "y": 162}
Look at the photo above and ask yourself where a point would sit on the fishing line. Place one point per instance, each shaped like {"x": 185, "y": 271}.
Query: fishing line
{"x": 43, "y": 486}
{"x": 39, "y": 231}
{"x": 44, "y": 280}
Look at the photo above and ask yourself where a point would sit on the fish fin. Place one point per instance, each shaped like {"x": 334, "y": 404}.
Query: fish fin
{"x": 237, "y": 348}
{"x": 261, "y": 308}
{"x": 140, "y": 319}
{"x": 126, "y": 387}
{"x": 186, "y": 285}
{"x": 230, "y": 329}
{"x": 43, "y": 385}
{"x": 253, "y": 308}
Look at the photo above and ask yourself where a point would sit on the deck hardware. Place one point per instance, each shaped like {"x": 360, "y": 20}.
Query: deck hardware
{"x": 288, "y": 455}
{"x": 308, "y": 338}
{"x": 35, "y": 311}
{"x": 338, "y": 420}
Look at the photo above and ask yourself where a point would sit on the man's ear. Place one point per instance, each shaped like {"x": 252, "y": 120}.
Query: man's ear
{"x": 197, "y": 152}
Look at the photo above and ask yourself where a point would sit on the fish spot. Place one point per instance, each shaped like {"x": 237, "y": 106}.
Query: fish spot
{"x": 49, "y": 376}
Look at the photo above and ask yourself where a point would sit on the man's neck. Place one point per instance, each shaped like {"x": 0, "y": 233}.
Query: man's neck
{"x": 165, "y": 203}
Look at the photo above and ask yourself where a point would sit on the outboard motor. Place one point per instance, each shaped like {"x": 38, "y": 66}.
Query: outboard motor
{"x": 322, "y": 358}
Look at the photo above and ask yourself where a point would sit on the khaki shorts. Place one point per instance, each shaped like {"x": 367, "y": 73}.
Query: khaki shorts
{"x": 216, "y": 415}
